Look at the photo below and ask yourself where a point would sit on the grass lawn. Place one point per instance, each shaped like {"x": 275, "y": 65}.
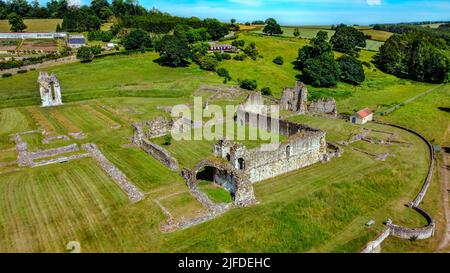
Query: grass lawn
{"x": 34, "y": 25}
{"x": 320, "y": 208}
{"x": 216, "y": 193}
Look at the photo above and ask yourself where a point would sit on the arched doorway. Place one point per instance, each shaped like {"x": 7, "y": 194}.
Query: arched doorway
{"x": 241, "y": 164}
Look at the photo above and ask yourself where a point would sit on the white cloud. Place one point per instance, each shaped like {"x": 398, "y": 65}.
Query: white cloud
{"x": 373, "y": 2}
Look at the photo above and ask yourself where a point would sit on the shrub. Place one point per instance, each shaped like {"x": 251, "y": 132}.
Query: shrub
{"x": 248, "y": 84}
{"x": 218, "y": 56}
{"x": 6, "y": 75}
{"x": 22, "y": 71}
{"x": 266, "y": 91}
{"x": 167, "y": 140}
{"x": 226, "y": 56}
{"x": 278, "y": 60}
{"x": 96, "y": 49}
{"x": 239, "y": 57}
{"x": 251, "y": 51}
{"x": 208, "y": 63}
{"x": 84, "y": 54}
{"x": 222, "y": 72}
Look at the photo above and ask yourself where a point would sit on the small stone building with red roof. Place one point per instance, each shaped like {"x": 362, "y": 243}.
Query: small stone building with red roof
{"x": 362, "y": 116}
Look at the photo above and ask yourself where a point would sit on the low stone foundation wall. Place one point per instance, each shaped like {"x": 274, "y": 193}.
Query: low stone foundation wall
{"x": 160, "y": 154}
{"x": 414, "y": 233}
{"x": 134, "y": 194}
{"x": 411, "y": 233}
{"x": 375, "y": 245}
{"x": 54, "y": 152}
{"x": 59, "y": 160}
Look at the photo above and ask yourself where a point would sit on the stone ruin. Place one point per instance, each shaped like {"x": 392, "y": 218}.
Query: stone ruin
{"x": 296, "y": 100}
{"x": 50, "y": 90}
{"x": 323, "y": 106}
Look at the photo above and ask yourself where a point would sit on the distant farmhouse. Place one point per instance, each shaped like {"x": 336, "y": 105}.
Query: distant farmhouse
{"x": 76, "y": 41}
{"x": 362, "y": 117}
{"x": 223, "y": 48}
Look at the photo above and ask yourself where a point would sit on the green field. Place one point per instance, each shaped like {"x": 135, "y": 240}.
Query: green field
{"x": 310, "y": 32}
{"x": 320, "y": 208}
{"x": 34, "y": 25}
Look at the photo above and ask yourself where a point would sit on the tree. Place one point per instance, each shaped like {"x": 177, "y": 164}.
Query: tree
{"x": 272, "y": 27}
{"x": 252, "y": 51}
{"x": 16, "y": 22}
{"x": 318, "y": 46}
{"x": 84, "y": 54}
{"x": 278, "y": 60}
{"x": 173, "y": 51}
{"x": 137, "y": 39}
{"x": 215, "y": 28}
{"x": 208, "y": 63}
{"x": 222, "y": 72}
{"x": 348, "y": 40}
{"x": 96, "y": 50}
{"x": 248, "y": 84}
{"x": 266, "y": 91}
{"x": 352, "y": 70}
{"x": 297, "y": 32}
{"x": 323, "y": 71}
{"x": 415, "y": 55}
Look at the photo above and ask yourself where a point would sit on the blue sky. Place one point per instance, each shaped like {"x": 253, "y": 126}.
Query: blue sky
{"x": 308, "y": 11}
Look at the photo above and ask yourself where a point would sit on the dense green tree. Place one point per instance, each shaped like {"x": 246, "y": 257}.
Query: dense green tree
{"x": 173, "y": 51}
{"x": 84, "y": 54}
{"x": 208, "y": 63}
{"x": 215, "y": 28}
{"x": 222, "y": 72}
{"x": 415, "y": 55}
{"x": 251, "y": 51}
{"x": 248, "y": 84}
{"x": 16, "y": 22}
{"x": 348, "y": 40}
{"x": 352, "y": 70}
{"x": 266, "y": 91}
{"x": 319, "y": 45}
{"x": 137, "y": 39}
{"x": 99, "y": 7}
{"x": 323, "y": 71}
{"x": 272, "y": 27}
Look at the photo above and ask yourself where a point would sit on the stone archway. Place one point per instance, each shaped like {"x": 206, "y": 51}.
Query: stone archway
{"x": 236, "y": 181}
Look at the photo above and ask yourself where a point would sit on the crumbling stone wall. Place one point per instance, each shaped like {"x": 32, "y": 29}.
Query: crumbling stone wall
{"x": 54, "y": 152}
{"x": 49, "y": 89}
{"x": 300, "y": 150}
{"x": 160, "y": 154}
{"x": 134, "y": 194}
{"x": 323, "y": 106}
{"x": 157, "y": 127}
{"x": 295, "y": 99}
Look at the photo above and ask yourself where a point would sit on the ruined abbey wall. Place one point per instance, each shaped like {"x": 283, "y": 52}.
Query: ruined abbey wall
{"x": 294, "y": 154}
{"x": 305, "y": 146}
{"x": 160, "y": 154}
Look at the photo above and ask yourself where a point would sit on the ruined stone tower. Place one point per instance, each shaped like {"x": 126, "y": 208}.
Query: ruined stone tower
{"x": 49, "y": 89}
{"x": 295, "y": 99}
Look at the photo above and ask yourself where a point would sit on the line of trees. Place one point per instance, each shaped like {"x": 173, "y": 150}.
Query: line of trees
{"x": 415, "y": 55}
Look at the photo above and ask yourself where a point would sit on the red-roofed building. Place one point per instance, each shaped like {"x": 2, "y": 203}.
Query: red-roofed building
{"x": 362, "y": 116}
